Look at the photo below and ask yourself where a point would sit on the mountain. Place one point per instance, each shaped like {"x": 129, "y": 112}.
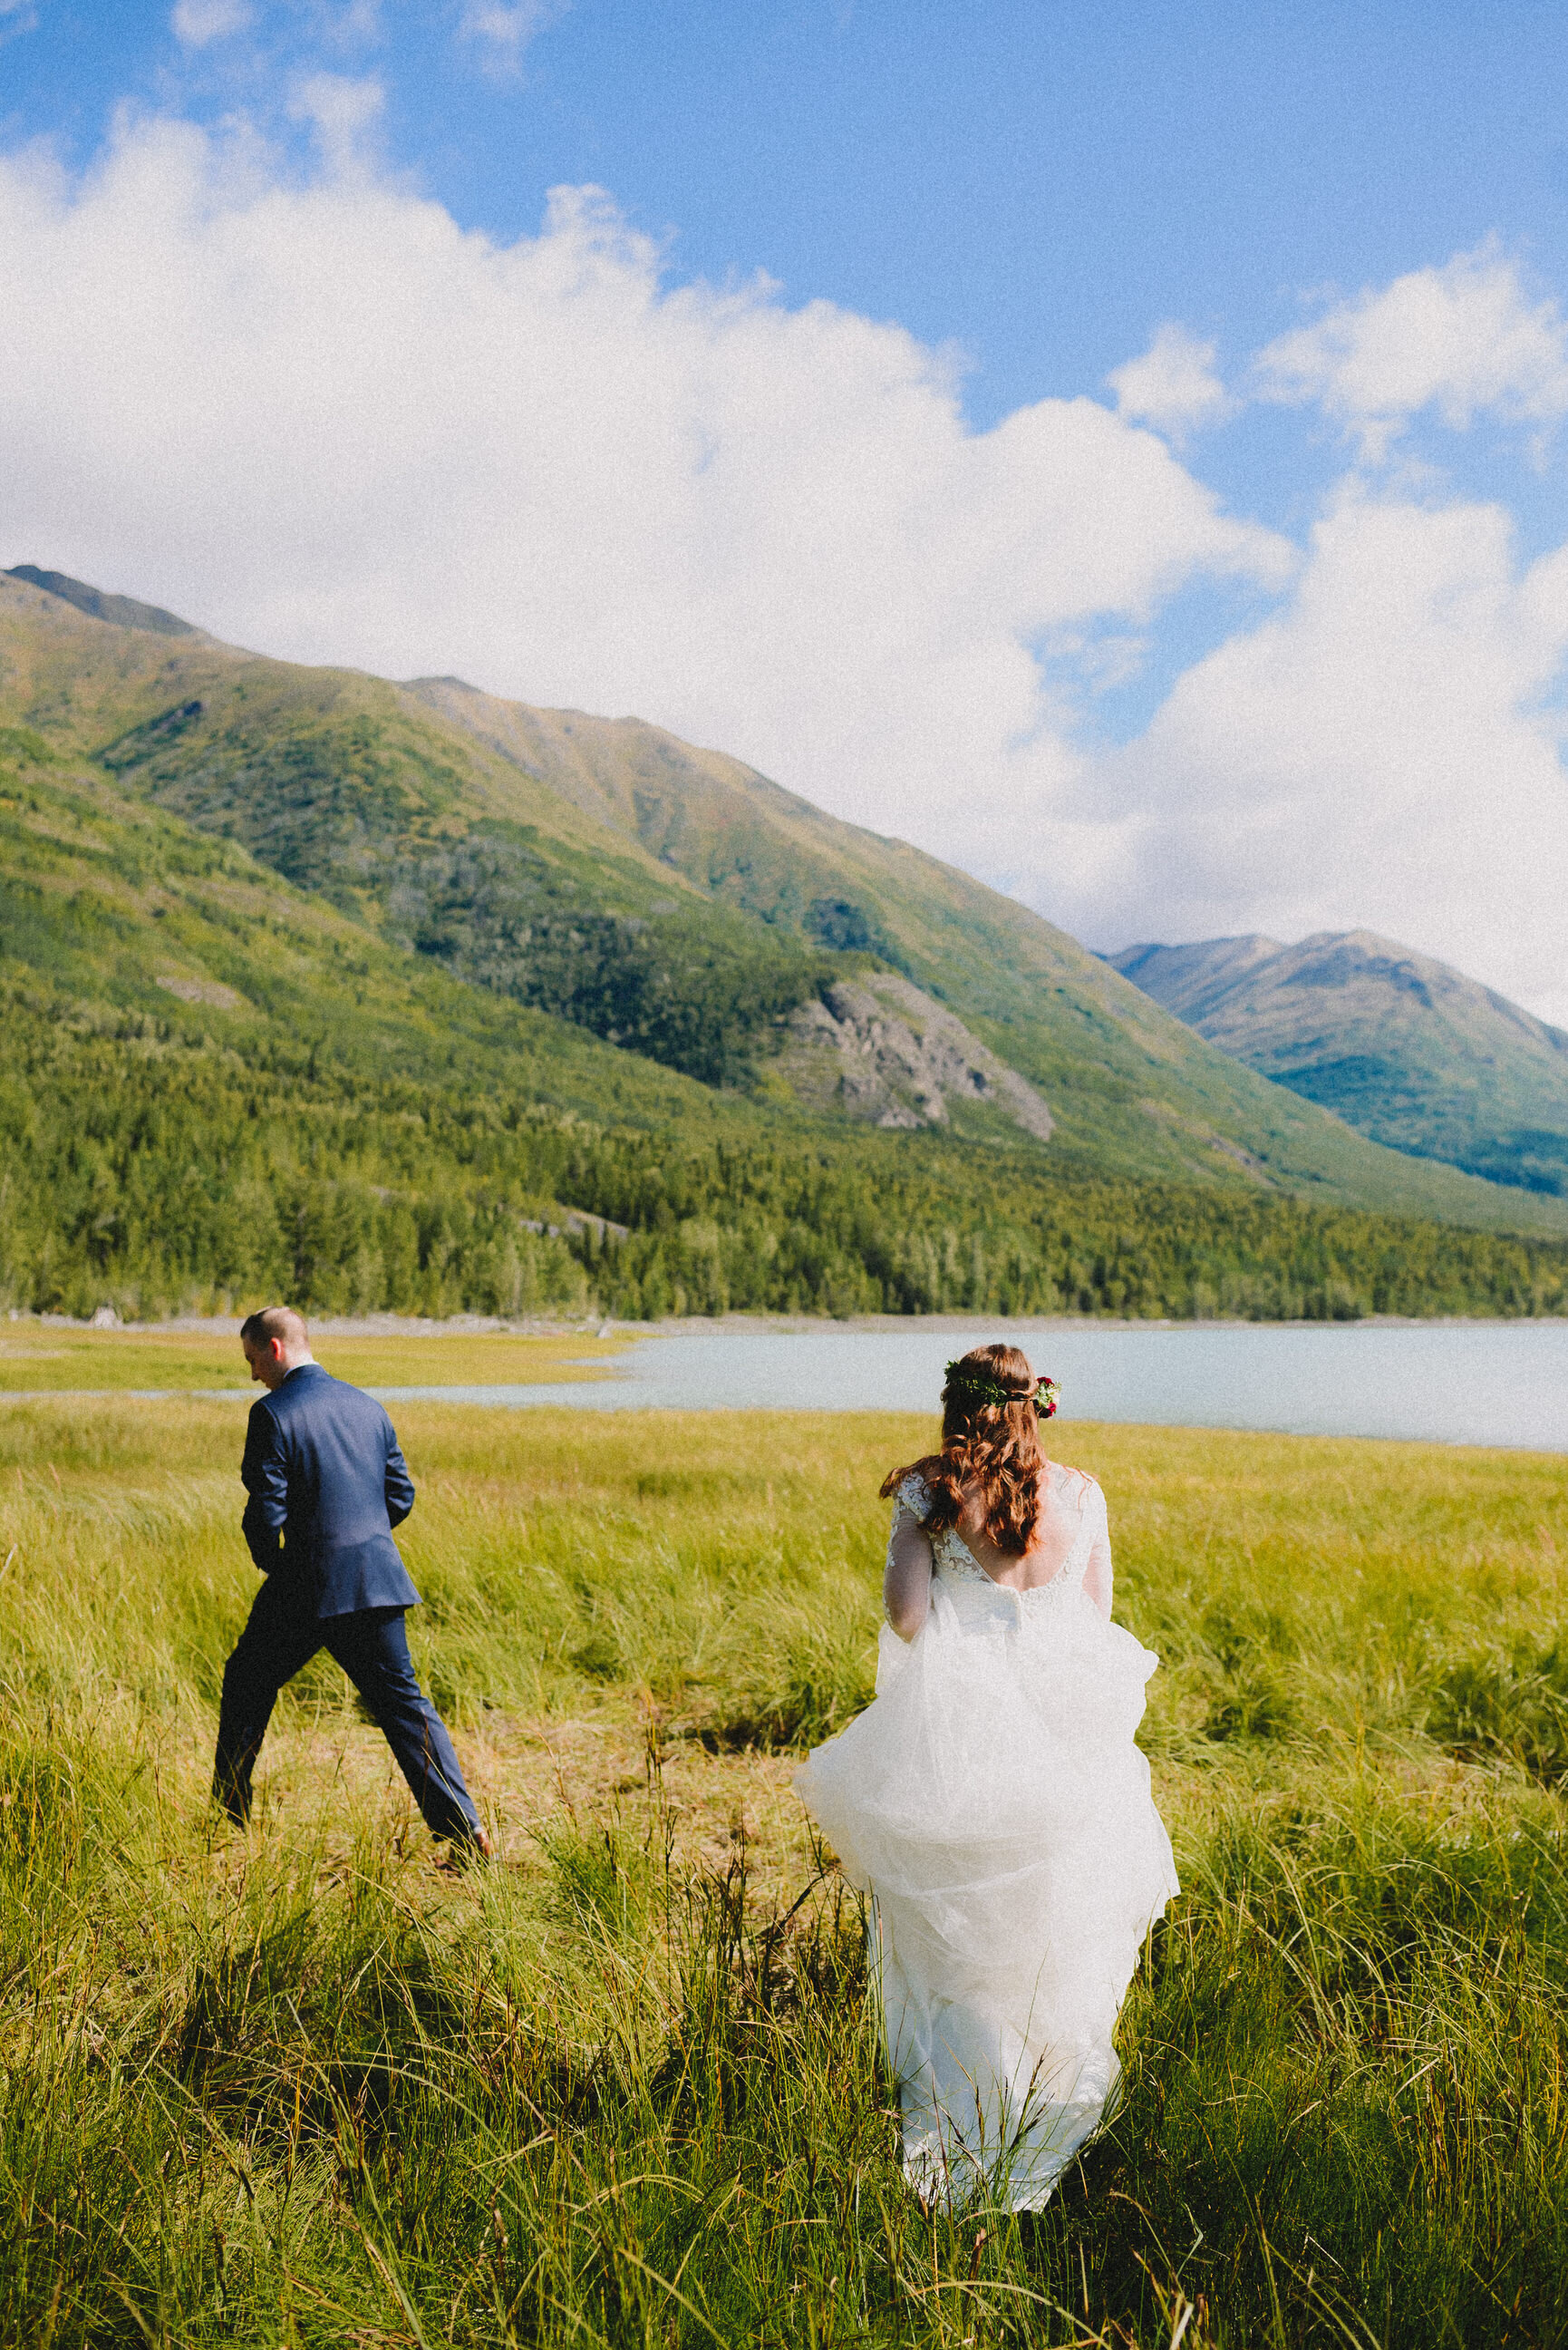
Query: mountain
{"x": 535, "y": 880}
{"x": 215, "y": 1087}
{"x": 122, "y": 611}
{"x": 1401, "y": 1046}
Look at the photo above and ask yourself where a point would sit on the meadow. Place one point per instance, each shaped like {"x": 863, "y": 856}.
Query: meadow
{"x": 62, "y": 1357}
{"x": 304, "y": 2086}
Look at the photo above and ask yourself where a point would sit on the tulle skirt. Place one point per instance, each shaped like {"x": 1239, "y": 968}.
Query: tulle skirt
{"x": 993, "y": 1805}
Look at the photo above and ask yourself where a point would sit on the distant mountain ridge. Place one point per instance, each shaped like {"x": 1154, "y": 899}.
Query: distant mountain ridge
{"x": 120, "y": 611}
{"x": 670, "y": 902}
{"x": 1025, "y": 987}
{"x": 1403, "y": 1047}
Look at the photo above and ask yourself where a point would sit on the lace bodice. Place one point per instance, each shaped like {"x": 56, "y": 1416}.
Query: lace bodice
{"x": 956, "y": 1563}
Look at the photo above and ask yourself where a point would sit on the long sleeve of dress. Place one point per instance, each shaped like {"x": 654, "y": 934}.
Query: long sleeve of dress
{"x": 911, "y": 1506}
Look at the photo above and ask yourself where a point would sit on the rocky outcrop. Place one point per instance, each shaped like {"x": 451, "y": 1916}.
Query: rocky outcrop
{"x": 881, "y": 1050}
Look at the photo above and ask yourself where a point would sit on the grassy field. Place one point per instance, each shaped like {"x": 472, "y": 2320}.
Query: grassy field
{"x": 303, "y": 2088}
{"x": 37, "y": 1355}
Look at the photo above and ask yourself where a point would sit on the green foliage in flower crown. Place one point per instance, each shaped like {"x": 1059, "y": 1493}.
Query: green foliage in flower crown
{"x": 978, "y": 1386}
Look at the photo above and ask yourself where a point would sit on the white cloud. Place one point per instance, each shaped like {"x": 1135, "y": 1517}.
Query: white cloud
{"x": 1460, "y": 339}
{"x": 344, "y": 110}
{"x": 1380, "y": 753}
{"x": 503, "y": 28}
{"x": 349, "y": 24}
{"x": 1173, "y": 385}
{"x": 323, "y": 420}
{"x": 196, "y": 23}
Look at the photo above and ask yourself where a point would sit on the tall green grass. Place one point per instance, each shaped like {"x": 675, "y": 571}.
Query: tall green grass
{"x": 301, "y": 2089}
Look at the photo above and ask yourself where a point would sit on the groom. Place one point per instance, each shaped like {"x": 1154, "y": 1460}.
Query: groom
{"x": 326, "y": 1484}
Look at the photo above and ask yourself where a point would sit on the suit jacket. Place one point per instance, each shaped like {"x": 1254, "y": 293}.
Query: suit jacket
{"x": 328, "y": 1483}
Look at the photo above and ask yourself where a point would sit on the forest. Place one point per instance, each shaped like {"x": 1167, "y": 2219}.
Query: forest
{"x": 144, "y": 1167}
{"x": 482, "y": 1066}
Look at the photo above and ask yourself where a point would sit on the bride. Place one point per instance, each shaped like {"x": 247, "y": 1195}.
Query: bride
{"x": 992, "y": 1803}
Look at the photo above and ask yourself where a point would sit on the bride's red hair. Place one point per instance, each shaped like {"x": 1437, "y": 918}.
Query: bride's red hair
{"x": 995, "y": 1444}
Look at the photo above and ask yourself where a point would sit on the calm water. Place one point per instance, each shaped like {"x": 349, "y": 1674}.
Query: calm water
{"x": 1484, "y": 1383}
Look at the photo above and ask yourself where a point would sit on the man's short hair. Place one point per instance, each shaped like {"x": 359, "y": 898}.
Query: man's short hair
{"x": 274, "y": 1322}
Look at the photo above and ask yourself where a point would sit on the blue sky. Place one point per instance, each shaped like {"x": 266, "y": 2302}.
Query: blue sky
{"x": 1039, "y": 183}
{"x": 1004, "y": 203}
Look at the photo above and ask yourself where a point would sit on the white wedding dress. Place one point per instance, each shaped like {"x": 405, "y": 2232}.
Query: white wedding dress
{"x": 992, "y": 1803}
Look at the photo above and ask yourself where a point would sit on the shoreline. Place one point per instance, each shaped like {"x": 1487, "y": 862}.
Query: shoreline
{"x": 739, "y": 1325}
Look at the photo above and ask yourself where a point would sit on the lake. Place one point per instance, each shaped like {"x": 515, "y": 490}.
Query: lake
{"x": 1451, "y": 1382}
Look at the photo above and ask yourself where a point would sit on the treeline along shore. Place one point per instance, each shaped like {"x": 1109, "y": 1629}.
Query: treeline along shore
{"x": 142, "y": 1168}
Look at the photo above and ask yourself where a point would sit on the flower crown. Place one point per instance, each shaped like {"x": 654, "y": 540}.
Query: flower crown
{"x": 983, "y": 1387}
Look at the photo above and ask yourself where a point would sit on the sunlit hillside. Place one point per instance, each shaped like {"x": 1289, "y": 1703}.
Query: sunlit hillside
{"x": 308, "y": 988}
{"x": 1402, "y": 1046}
{"x": 667, "y": 899}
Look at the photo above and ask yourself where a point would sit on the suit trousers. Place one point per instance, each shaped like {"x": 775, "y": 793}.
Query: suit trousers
{"x": 282, "y": 1634}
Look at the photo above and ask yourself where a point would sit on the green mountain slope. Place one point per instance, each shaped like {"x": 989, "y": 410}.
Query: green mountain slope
{"x": 1128, "y": 1093}
{"x": 667, "y": 899}
{"x": 345, "y": 788}
{"x": 1400, "y": 1045}
{"x": 109, "y": 905}
{"x": 217, "y": 1087}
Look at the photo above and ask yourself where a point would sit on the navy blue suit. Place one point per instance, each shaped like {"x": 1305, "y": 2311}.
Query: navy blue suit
{"x": 324, "y": 1477}
{"x": 326, "y": 1483}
